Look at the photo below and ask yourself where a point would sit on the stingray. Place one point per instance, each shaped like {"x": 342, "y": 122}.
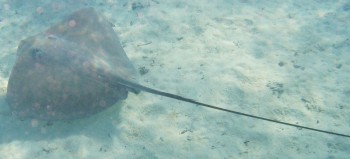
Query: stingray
{"x": 77, "y": 68}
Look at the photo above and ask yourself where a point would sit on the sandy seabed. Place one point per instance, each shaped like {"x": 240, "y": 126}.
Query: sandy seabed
{"x": 284, "y": 60}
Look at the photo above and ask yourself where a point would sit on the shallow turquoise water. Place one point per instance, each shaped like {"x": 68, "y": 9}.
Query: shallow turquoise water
{"x": 286, "y": 61}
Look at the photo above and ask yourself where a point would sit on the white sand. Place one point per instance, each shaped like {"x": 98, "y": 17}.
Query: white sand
{"x": 219, "y": 52}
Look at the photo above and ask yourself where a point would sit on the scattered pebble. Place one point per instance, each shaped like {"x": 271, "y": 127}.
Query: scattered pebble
{"x": 143, "y": 70}
{"x": 281, "y": 64}
{"x": 276, "y": 87}
{"x": 299, "y": 67}
{"x": 246, "y": 142}
{"x": 179, "y": 38}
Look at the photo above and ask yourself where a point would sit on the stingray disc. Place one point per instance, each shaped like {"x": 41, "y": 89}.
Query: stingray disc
{"x": 58, "y": 73}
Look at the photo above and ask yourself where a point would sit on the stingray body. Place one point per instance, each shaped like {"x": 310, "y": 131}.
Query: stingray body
{"x": 72, "y": 70}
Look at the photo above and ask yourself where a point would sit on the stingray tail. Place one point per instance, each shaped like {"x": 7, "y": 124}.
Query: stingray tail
{"x": 136, "y": 86}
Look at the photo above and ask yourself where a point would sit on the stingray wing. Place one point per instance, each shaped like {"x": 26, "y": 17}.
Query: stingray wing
{"x": 91, "y": 30}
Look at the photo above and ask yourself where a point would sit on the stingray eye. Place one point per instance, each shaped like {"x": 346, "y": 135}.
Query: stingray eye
{"x": 36, "y": 54}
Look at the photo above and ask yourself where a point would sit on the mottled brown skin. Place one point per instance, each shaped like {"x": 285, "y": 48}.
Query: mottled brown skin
{"x": 69, "y": 71}
{"x": 45, "y": 91}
